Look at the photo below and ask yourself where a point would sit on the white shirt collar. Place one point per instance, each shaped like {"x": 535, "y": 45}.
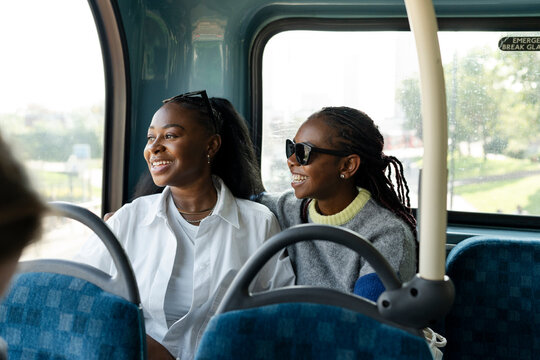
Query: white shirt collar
{"x": 226, "y": 207}
{"x": 157, "y": 208}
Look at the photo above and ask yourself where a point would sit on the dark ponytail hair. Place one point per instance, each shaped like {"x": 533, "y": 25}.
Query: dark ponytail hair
{"x": 235, "y": 162}
{"x": 358, "y": 134}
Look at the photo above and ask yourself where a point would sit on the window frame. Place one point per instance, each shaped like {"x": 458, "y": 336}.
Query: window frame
{"x": 455, "y": 218}
{"x": 116, "y": 142}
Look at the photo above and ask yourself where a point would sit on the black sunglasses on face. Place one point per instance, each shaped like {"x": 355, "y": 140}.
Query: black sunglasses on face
{"x": 303, "y": 151}
{"x": 206, "y": 102}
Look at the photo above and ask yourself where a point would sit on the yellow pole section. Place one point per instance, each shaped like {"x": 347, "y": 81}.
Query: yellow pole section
{"x": 433, "y": 192}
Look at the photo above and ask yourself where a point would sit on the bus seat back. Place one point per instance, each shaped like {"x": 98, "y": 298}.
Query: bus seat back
{"x": 495, "y": 313}
{"x": 306, "y": 331}
{"x": 56, "y": 316}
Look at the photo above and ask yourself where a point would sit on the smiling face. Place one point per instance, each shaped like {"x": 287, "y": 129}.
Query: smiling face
{"x": 177, "y": 147}
{"x": 319, "y": 179}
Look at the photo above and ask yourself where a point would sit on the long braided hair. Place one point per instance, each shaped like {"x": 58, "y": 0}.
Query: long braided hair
{"x": 358, "y": 134}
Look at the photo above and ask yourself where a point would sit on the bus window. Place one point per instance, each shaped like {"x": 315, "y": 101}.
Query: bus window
{"x": 52, "y": 108}
{"x": 492, "y": 100}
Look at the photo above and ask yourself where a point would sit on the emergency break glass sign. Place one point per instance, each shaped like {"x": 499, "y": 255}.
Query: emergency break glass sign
{"x": 520, "y": 43}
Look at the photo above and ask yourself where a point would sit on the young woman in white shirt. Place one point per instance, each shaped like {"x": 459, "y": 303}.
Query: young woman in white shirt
{"x": 187, "y": 243}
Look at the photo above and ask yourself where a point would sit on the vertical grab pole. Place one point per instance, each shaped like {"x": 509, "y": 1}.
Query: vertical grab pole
{"x": 433, "y": 193}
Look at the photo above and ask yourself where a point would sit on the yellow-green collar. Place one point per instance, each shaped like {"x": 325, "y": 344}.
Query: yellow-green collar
{"x": 344, "y": 215}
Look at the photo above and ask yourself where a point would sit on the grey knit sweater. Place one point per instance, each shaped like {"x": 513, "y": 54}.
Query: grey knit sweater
{"x": 320, "y": 263}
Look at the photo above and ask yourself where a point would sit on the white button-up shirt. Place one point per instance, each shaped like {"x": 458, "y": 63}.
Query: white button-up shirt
{"x": 224, "y": 241}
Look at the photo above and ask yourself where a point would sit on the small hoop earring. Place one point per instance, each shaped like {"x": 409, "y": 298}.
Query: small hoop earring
{"x": 208, "y": 158}
{"x": 342, "y": 176}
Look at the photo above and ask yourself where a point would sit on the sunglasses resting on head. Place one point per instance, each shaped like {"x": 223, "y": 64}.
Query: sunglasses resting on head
{"x": 206, "y": 102}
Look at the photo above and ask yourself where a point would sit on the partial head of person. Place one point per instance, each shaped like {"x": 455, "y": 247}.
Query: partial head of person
{"x": 192, "y": 137}
{"x": 21, "y": 211}
{"x": 338, "y": 149}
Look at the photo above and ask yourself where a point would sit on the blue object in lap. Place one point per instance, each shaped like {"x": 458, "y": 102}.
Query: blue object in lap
{"x": 369, "y": 286}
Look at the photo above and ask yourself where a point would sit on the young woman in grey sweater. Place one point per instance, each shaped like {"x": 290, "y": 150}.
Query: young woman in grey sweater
{"x": 340, "y": 176}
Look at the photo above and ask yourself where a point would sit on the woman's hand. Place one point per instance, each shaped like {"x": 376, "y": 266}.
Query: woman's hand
{"x": 108, "y": 215}
{"x": 156, "y": 351}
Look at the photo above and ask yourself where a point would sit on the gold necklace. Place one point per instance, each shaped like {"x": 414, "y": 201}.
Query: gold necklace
{"x": 194, "y": 213}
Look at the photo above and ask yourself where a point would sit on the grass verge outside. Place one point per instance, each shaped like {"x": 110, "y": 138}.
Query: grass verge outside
{"x": 467, "y": 167}
{"x": 504, "y": 195}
